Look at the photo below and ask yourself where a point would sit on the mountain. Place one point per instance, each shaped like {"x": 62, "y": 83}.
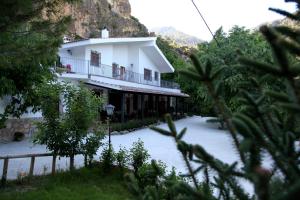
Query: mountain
{"x": 180, "y": 38}
{"x": 90, "y": 16}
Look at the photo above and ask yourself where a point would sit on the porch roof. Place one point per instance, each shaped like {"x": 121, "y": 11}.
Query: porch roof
{"x": 135, "y": 89}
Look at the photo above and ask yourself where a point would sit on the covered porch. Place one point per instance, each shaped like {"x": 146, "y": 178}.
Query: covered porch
{"x": 137, "y": 103}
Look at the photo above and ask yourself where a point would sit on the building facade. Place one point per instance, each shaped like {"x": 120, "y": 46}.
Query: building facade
{"x": 127, "y": 71}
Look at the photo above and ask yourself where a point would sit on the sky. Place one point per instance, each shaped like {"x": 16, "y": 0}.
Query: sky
{"x": 182, "y": 15}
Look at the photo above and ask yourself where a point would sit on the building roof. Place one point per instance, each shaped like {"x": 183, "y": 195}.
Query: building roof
{"x": 92, "y": 41}
{"x": 136, "y": 89}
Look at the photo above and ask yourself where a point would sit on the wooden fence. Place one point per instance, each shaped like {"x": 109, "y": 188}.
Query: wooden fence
{"x": 32, "y": 162}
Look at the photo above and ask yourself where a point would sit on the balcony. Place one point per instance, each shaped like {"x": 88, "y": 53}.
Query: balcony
{"x": 84, "y": 67}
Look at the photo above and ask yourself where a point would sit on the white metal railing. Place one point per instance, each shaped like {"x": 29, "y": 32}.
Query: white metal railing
{"x": 81, "y": 66}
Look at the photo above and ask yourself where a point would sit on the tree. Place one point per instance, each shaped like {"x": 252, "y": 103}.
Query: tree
{"x": 267, "y": 124}
{"x": 224, "y": 54}
{"x": 30, "y": 35}
{"x": 77, "y": 129}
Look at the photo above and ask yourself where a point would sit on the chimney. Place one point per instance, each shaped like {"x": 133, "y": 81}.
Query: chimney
{"x": 104, "y": 33}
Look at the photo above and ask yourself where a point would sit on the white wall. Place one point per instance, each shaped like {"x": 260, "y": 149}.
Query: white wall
{"x": 120, "y": 55}
{"x": 145, "y": 62}
{"x": 133, "y": 57}
{"x": 6, "y": 100}
{"x": 105, "y": 50}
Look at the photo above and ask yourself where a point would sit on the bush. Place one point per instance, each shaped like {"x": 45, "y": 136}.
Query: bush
{"x": 153, "y": 182}
{"x": 108, "y": 158}
{"x": 133, "y": 124}
{"x": 91, "y": 143}
{"x": 138, "y": 155}
{"x": 122, "y": 157}
{"x": 19, "y": 136}
{"x": 149, "y": 174}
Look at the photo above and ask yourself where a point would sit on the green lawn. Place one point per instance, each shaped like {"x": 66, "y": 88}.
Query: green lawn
{"x": 84, "y": 184}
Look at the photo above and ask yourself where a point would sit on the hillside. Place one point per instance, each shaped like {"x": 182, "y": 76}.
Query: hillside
{"x": 180, "y": 38}
{"x": 89, "y": 16}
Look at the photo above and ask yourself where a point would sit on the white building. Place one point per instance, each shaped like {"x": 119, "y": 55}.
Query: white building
{"x": 126, "y": 70}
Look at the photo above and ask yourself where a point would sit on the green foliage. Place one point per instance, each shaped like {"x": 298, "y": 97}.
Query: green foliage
{"x": 133, "y": 124}
{"x": 138, "y": 155}
{"x": 122, "y": 158}
{"x": 224, "y": 54}
{"x": 266, "y": 120}
{"x": 91, "y": 144}
{"x": 30, "y": 35}
{"x": 74, "y": 131}
{"x": 149, "y": 174}
{"x": 108, "y": 158}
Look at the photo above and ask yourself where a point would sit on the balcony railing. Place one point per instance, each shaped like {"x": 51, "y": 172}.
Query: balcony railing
{"x": 80, "y": 66}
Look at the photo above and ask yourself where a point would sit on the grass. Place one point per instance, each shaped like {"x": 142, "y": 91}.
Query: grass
{"x": 83, "y": 184}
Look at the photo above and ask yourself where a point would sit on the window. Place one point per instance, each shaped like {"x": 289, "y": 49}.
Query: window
{"x": 156, "y": 76}
{"x": 147, "y": 74}
{"x": 95, "y": 58}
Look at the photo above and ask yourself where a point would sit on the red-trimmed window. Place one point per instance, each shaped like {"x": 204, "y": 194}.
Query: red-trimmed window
{"x": 95, "y": 58}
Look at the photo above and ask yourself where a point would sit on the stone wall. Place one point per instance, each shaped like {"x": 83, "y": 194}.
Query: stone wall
{"x": 25, "y": 126}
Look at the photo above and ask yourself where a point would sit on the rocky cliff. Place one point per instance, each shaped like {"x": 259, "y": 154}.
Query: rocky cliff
{"x": 90, "y": 16}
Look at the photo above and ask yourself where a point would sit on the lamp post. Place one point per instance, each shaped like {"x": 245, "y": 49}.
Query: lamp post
{"x": 110, "y": 111}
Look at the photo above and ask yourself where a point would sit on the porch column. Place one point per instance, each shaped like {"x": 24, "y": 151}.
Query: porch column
{"x": 142, "y": 106}
{"x": 123, "y": 107}
{"x": 156, "y": 105}
{"x": 168, "y": 104}
{"x": 176, "y": 105}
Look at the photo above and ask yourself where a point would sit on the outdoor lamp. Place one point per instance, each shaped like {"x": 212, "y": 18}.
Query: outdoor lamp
{"x": 109, "y": 109}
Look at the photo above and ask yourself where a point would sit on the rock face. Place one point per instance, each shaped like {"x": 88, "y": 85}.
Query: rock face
{"x": 90, "y": 16}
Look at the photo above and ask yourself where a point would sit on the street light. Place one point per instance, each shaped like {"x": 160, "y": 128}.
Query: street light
{"x": 110, "y": 111}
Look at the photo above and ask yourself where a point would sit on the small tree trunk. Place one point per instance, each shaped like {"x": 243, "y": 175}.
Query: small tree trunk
{"x": 85, "y": 160}
{"x": 53, "y": 164}
{"x": 72, "y": 162}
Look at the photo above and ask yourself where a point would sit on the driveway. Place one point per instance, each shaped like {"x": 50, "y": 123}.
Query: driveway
{"x": 215, "y": 141}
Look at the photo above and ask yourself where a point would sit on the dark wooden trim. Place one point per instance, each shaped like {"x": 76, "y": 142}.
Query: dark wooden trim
{"x": 32, "y": 161}
{"x": 26, "y": 156}
{"x": 123, "y": 107}
{"x": 142, "y": 106}
{"x": 4, "y": 173}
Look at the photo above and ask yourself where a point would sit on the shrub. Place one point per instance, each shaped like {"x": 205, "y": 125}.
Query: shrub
{"x": 138, "y": 155}
{"x": 91, "y": 143}
{"x": 108, "y": 158}
{"x": 149, "y": 174}
{"x": 133, "y": 124}
{"x": 153, "y": 182}
{"x": 122, "y": 157}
